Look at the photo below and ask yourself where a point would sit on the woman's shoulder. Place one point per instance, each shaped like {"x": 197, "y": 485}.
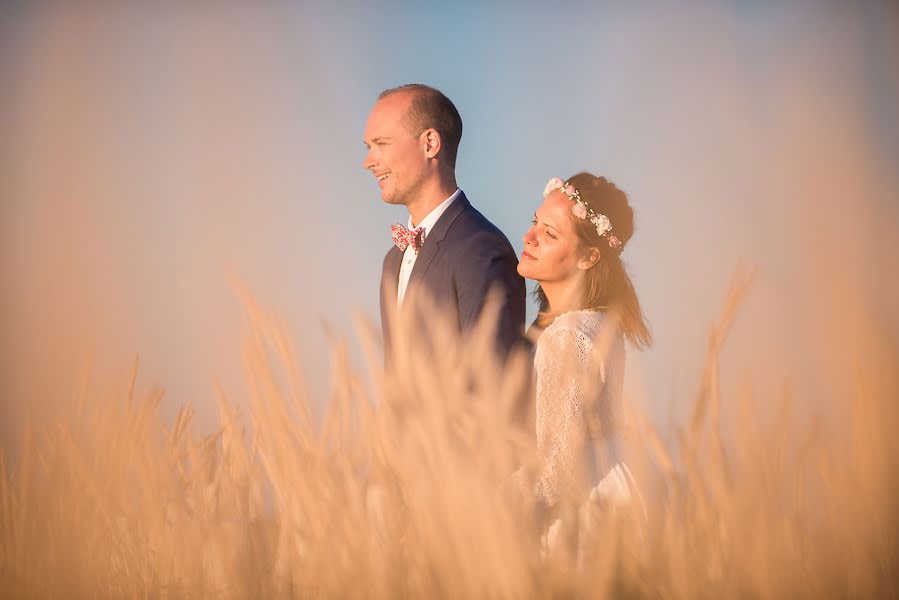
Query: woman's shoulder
{"x": 584, "y": 329}
{"x": 585, "y": 322}
{"x": 575, "y": 329}
{"x": 590, "y": 337}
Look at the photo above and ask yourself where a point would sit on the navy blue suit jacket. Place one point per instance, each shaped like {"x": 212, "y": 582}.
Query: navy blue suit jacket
{"x": 464, "y": 257}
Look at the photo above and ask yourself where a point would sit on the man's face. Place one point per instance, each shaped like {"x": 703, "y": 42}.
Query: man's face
{"x": 394, "y": 157}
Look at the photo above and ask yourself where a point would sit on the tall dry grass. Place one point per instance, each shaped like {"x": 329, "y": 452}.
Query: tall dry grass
{"x": 402, "y": 489}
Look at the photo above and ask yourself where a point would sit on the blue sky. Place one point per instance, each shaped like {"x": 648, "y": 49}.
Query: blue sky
{"x": 156, "y": 150}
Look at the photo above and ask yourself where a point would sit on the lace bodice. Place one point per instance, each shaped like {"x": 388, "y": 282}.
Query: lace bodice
{"x": 579, "y": 376}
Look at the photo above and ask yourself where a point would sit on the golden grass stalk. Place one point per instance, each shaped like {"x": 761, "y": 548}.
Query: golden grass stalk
{"x": 402, "y": 489}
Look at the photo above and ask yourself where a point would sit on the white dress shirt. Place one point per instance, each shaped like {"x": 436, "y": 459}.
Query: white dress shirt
{"x": 409, "y": 255}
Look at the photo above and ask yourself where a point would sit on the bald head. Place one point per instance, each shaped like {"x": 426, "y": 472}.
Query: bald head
{"x": 429, "y": 108}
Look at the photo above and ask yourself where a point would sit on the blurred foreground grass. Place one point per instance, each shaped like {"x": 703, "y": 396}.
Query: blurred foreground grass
{"x": 400, "y": 490}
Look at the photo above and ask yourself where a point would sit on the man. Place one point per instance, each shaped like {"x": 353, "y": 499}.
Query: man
{"x": 449, "y": 249}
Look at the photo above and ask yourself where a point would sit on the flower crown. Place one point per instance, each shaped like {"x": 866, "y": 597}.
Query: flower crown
{"x": 582, "y": 211}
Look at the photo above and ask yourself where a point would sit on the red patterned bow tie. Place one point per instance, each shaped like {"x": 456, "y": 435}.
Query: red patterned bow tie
{"x": 403, "y": 237}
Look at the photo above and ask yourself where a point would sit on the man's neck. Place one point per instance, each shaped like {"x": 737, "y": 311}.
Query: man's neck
{"x": 430, "y": 198}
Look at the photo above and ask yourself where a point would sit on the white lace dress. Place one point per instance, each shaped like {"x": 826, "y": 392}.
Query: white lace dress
{"x": 579, "y": 377}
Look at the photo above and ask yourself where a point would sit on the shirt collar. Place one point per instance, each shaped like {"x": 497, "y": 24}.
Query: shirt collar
{"x": 429, "y": 221}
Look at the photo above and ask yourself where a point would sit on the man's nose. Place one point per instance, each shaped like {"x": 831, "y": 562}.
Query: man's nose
{"x": 368, "y": 162}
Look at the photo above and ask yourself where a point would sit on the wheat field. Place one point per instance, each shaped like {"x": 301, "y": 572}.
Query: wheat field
{"x": 401, "y": 489}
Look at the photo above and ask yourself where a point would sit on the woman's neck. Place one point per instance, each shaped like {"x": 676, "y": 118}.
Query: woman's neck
{"x": 563, "y": 296}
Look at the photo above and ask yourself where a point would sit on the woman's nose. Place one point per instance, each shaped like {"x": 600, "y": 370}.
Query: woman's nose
{"x": 529, "y": 235}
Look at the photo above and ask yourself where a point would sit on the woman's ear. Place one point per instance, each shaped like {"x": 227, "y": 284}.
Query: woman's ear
{"x": 590, "y": 259}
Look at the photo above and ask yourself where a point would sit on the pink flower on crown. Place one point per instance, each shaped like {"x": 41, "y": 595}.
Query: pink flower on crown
{"x": 554, "y": 184}
{"x": 579, "y": 210}
{"x": 569, "y": 189}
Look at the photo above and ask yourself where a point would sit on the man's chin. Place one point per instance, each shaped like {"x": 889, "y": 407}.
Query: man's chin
{"x": 390, "y": 198}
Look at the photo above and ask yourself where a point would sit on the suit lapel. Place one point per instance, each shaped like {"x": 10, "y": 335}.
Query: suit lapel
{"x": 389, "y": 280}
{"x": 432, "y": 242}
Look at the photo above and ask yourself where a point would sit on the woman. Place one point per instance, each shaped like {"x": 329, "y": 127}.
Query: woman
{"x": 588, "y": 307}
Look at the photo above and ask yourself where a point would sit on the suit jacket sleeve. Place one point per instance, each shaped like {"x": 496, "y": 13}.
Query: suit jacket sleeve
{"x": 488, "y": 263}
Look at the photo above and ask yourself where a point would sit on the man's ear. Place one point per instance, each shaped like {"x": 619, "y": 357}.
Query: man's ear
{"x": 590, "y": 259}
{"x": 431, "y": 142}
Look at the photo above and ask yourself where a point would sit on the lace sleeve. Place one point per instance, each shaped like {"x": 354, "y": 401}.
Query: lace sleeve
{"x": 562, "y": 364}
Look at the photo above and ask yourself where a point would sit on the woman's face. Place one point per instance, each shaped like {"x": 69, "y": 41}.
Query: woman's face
{"x": 552, "y": 249}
